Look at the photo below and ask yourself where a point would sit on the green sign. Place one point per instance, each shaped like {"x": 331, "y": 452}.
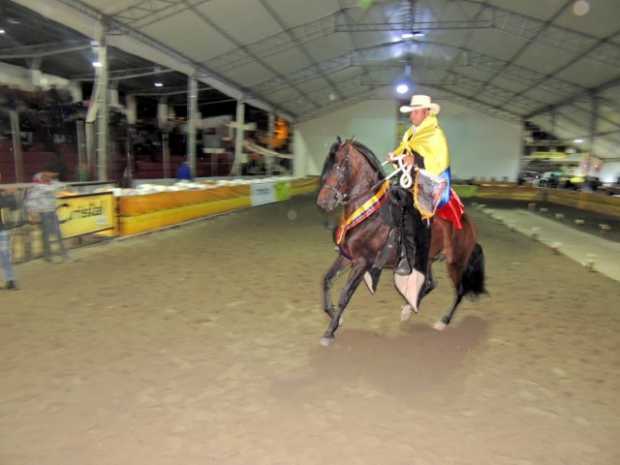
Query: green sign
{"x": 283, "y": 190}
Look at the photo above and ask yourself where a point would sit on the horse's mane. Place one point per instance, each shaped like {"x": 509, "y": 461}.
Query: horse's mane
{"x": 361, "y": 148}
{"x": 370, "y": 157}
{"x": 331, "y": 159}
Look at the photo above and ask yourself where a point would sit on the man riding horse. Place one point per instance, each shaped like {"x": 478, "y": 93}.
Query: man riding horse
{"x": 424, "y": 148}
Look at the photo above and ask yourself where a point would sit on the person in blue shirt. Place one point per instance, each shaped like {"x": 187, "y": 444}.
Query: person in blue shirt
{"x": 184, "y": 172}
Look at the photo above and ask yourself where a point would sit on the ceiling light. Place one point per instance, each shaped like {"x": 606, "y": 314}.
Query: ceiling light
{"x": 2, "y": 31}
{"x": 159, "y": 84}
{"x": 402, "y": 88}
{"x": 581, "y": 7}
{"x": 412, "y": 34}
{"x": 96, "y": 64}
{"x": 578, "y": 141}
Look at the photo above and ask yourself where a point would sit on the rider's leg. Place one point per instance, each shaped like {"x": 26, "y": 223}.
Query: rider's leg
{"x": 407, "y": 241}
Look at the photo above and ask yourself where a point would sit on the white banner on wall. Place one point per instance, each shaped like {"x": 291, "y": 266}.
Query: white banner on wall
{"x": 262, "y": 193}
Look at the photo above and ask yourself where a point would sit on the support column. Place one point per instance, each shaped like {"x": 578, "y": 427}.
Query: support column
{"x": 91, "y": 149}
{"x": 165, "y": 148}
{"x": 269, "y": 161}
{"x": 128, "y": 174}
{"x": 81, "y": 149}
{"x": 101, "y": 81}
{"x": 35, "y": 72}
{"x": 594, "y": 101}
{"x": 132, "y": 117}
{"x": 162, "y": 122}
{"x": 192, "y": 111}
{"x": 17, "y": 146}
{"x": 593, "y": 121}
{"x": 236, "y": 168}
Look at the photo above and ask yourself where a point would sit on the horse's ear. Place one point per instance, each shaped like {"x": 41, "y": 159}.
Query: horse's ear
{"x": 339, "y": 140}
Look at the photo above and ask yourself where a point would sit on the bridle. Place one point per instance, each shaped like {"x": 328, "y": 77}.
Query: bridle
{"x": 344, "y": 198}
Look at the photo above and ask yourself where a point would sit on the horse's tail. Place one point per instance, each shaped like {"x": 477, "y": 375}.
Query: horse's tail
{"x": 474, "y": 276}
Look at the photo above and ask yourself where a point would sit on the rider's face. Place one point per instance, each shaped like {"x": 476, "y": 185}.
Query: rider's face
{"x": 417, "y": 116}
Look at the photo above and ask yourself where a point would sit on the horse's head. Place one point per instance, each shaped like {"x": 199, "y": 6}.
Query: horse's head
{"x": 335, "y": 178}
{"x": 350, "y": 169}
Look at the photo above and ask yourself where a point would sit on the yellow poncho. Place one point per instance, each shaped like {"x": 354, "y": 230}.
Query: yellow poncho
{"x": 430, "y": 142}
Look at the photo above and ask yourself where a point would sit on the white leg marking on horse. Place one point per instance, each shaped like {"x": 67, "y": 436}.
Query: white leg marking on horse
{"x": 406, "y": 312}
{"x": 368, "y": 281}
{"x": 409, "y": 286}
{"x": 439, "y": 326}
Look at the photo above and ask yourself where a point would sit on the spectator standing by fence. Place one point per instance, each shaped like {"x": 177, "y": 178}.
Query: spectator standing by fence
{"x": 41, "y": 204}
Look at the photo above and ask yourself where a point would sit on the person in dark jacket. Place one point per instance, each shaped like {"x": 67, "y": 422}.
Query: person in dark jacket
{"x": 7, "y": 201}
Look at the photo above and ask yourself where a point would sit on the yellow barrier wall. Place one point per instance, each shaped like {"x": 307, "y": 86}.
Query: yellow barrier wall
{"x": 304, "y": 186}
{"x": 144, "y": 213}
{"x": 588, "y": 201}
{"x": 158, "y": 219}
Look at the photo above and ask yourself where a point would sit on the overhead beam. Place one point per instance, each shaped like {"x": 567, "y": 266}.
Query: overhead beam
{"x": 238, "y": 44}
{"x": 80, "y": 16}
{"x": 565, "y": 66}
{"x": 519, "y": 53}
{"x": 278, "y": 19}
{"x": 557, "y": 35}
{"x": 466, "y": 41}
{"x": 615, "y": 82}
{"x": 121, "y": 75}
{"x": 490, "y": 108}
{"x": 43, "y": 50}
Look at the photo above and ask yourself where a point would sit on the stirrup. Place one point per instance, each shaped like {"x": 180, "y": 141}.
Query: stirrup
{"x": 403, "y": 268}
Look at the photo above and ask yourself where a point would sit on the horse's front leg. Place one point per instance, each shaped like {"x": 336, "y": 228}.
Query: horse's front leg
{"x": 355, "y": 278}
{"x": 331, "y": 274}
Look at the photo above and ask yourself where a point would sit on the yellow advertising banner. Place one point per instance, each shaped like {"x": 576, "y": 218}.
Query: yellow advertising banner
{"x": 86, "y": 214}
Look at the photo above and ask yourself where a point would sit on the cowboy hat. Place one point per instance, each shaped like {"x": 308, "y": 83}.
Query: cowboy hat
{"x": 420, "y": 101}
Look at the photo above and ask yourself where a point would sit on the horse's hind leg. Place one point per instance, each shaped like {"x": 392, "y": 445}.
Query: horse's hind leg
{"x": 455, "y": 275}
{"x": 331, "y": 274}
{"x": 357, "y": 274}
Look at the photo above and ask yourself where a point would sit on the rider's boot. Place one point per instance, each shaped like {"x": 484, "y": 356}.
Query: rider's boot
{"x": 407, "y": 248}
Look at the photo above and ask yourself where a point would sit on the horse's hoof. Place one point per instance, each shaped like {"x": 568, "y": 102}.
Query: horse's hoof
{"x": 439, "y": 326}
{"x": 406, "y": 312}
{"x": 327, "y": 341}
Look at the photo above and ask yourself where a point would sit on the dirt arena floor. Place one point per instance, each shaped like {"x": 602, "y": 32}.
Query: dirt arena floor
{"x": 200, "y": 345}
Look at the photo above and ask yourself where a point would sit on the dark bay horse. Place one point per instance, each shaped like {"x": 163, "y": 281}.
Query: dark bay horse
{"x": 351, "y": 176}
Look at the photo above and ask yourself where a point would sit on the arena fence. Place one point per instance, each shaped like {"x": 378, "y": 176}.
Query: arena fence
{"x": 588, "y": 201}
{"x": 88, "y": 217}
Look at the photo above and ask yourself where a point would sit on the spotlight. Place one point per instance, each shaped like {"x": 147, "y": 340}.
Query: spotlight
{"x": 2, "y": 31}
{"x": 96, "y": 64}
{"x": 402, "y": 88}
{"x": 159, "y": 84}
